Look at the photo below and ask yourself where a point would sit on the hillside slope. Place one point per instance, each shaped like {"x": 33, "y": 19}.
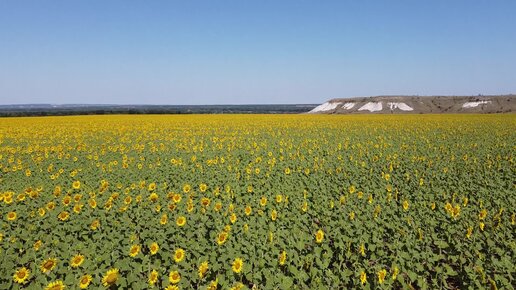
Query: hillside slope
{"x": 419, "y": 105}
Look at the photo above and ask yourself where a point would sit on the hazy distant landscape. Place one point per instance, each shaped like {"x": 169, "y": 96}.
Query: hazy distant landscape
{"x": 83, "y": 109}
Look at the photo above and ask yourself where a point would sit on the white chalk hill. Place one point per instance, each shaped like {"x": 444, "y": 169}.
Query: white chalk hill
{"x": 418, "y": 105}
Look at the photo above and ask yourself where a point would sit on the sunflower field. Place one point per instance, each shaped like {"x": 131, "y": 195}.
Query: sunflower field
{"x": 258, "y": 202}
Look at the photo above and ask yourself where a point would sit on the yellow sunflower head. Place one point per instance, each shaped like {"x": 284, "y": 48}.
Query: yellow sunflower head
{"x": 48, "y": 265}
{"x": 282, "y": 258}
{"x": 153, "y": 277}
{"x": 110, "y": 277}
{"x": 37, "y": 245}
{"x": 164, "y": 219}
{"x": 238, "y": 265}
{"x": 221, "y": 239}
{"x": 181, "y": 221}
{"x": 95, "y": 224}
{"x": 179, "y": 255}
{"x": 21, "y": 275}
{"x": 154, "y": 247}
{"x": 203, "y": 268}
{"x": 248, "y": 210}
{"x": 135, "y": 250}
{"x": 174, "y": 277}
{"x": 56, "y": 285}
{"x": 85, "y": 281}
{"x": 233, "y": 218}
{"x": 76, "y": 260}
{"x": 11, "y": 216}
{"x": 319, "y": 236}
{"x": 76, "y": 184}
{"x": 63, "y": 216}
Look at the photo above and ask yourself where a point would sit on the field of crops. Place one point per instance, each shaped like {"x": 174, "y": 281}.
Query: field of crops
{"x": 258, "y": 201}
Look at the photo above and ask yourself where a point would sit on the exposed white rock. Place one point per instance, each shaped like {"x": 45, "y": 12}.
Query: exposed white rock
{"x": 372, "y": 107}
{"x": 474, "y": 104}
{"x": 401, "y": 106}
{"x": 348, "y": 106}
{"x": 325, "y": 107}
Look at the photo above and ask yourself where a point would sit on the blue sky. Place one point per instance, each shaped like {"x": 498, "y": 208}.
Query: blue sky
{"x": 249, "y": 52}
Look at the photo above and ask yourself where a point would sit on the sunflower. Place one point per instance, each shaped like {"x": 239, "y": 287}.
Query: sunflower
{"x": 405, "y": 205}
{"x": 164, "y": 219}
{"x": 190, "y": 207}
{"x": 110, "y": 277}
{"x": 233, "y": 218}
{"x": 319, "y": 236}
{"x": 51, "y": 205}
{"x": 176, "y": 198}
{"x": 363, "y": 277}
{"x": 248, "y": 210}
{"x": 482, "y": 215}
{"x": 213, "y": 285}
{"x": 174, "y": 277}
{"x": 63, "y": 216}
{"x": 186, "y": 188}
{"x": 56, "y": 285}
{"x": 179, "y": 255}
{"x": 274, "y": 215}
{"x": 38, "y": 245}
{"x": 222, "y": 237}
{"x": 237, "y": 266}
{"x": 203, "y": 268}
{"x": 282, "y": 258}
{"x": 238, "y": 286}
{"x": 172, "y": 287}
{"x": 218, "y": 206}
{"x": 77, "y": 208}
{"x": 41, "y": 212}
{"x": 76, "y": 184}
{"x": 279, "y": 198}
{"x": 395, "y": 273}
{"x": 76, "y": 260}
{"x": 203, "y": 187}
{"x": 92, "y": 203}
{"x": 21, "y": 275}
{"x": 153, "y": 197}
{"x": 95, "y": 224}
{"x": 152, "y": 186}
{"x": 181, "y": 221}
{"x": 381, "y": 276}
{"x": 205, "y": 201}
{"x": 263, "y": 201}
{"x": 304, "y": 208}
{"x": 153, "y": 277}
{"x": 48, "y": 265}
{"x": 154, "y": 248}
{"x": 11, "y": 216}
{"x": 66, "y": 200}
{"x": 85, "y": 281}
{"x": 135, "y": 249}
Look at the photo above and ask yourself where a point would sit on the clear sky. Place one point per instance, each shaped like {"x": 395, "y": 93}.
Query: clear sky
{"x": 252, "y": 51}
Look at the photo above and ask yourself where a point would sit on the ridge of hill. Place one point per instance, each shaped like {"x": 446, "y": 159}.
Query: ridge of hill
{"x": 419, "y": 105}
